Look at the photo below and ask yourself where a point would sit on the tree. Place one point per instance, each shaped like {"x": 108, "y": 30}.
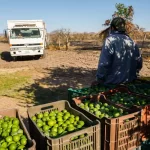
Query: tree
{"x": 65, "y": 35}
{"x": 126, "y": 12}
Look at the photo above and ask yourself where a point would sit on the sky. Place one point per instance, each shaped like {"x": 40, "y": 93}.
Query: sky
{"x": 77, "y": 15}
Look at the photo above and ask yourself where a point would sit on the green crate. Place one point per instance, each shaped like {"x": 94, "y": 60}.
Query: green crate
{"x": 88, "y": 91}
{"x": 92, "y": 130}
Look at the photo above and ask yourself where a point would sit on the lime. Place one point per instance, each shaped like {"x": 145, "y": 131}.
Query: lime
{"x": 12, "y": 146}
{"x": 14, "y": 129}
{"x": 60, "y": 130}
{"x": 16, "y": 138}
{"x": 72, "y": 116}
{"x": 21, "y": 147}
{"x": 4, "y": 144}
{"x": 71, "y": 120}
{"x": 79, "y": 126}
{"x": 2, "y": 148}
{"x": 53, "y": 134}
{"x": 33, "y": 118}
{"x": 44, "y": 119}
{"x": 46, "y": 114}
{"x": 60, "y": 123}
{"x": 70, "y": 129}
{"x": 54, "y": 129}
{"x": 64, "y": 111}
{"x": 23, "y": 137}
{"x": 116, "y": 114}
{"x": 5, "y": 134}
{"x": 15, "y": 121}
{"x": 65, "y": 117}
{"x": 82, "y": 136}
{"x": 59, "y": 119}
{"x": 6, "y": 118}
{"x": 51, "y": 123}
{"x": 39, "y": 124}
{"x": 56, "y": 125}
{"x": 67, "y": 122}
{"x": 8, "y": 139}
{"x": 20, "y": 131}
{"x": 23, "y": 141}
{"x": 81, "y": 123}
{"x": 45, "y": 128}
{"x": 40, "y": 115}
{"x": 52, "y": 118}
{"x": 46, "y": 133}
{"x": 77, "y": 118}
{"x": 4, "y": 125}
{"x": 60, "y": 114}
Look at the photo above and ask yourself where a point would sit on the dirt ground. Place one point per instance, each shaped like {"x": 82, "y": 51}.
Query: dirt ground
{"x": 51, "y": 76}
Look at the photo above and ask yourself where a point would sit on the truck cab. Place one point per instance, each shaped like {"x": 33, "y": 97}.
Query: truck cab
{"x": 26, "y": 37}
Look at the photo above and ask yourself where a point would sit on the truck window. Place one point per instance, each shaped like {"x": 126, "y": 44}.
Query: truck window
{"x": 25, "y": 33}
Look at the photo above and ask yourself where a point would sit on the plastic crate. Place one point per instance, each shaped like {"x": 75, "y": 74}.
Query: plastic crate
{"x": 107, "y": 95}
{"x": 91, "y": 141}
{"x": 145, "y": 119}
{"x": 88, "y": 91}
{"x": 117, "y": 134}
{"x": 14, "y": 113}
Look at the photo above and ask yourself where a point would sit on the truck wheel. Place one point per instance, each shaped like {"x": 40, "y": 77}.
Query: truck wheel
{"x": 14, "y": 58}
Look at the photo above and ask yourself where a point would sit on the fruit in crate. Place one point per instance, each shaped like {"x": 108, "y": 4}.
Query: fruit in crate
{"x": 128, "y": 100}
{"x": 101, "y": 110}
{"x": 57, "y": 123}
{"x": 11, "y": 135}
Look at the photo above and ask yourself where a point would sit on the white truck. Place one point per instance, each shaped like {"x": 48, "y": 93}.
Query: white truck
{"x": 26, "y": 37}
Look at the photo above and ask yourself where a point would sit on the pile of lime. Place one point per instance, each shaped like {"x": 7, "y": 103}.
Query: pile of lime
{"x": 143, "y": 89}
{"x": 11, "y": 135}
{"x": 101, "y": 110}
{"x": 57, "y": 123}
{"x": 128, "y": 100}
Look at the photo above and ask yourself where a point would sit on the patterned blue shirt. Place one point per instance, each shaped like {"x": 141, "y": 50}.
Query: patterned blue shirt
{"x": 120, "y": 60}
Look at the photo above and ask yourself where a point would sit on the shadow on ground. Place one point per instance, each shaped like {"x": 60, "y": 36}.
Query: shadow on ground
{"x": 7, "y": 57}
{"x": 54, "y": 86}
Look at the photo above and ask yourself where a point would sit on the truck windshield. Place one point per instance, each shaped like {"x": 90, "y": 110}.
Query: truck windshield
{"x": 25, "y": 33}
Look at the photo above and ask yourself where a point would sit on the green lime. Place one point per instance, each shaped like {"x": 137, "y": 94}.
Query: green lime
{"x": 6, "y": 118}
{"x": 20, "y": 131}
{"x": 4, "y": 125}
{"x": 23, "y": 141}
{"x": 44, "y": 119}
{"x": 9, "y": 139}
{"x": 12, "y": 146}
{"x": 33, "y": 118}
{"x": 39, "y": 124}
{"x": 16, "y": 138}
{"x": 45, "y": 128}
{"x": 4, "y": 144}
{"x": 46, "y": 114}
{"x": 14, "y": 129}
{"x": 40, "y": 115}
{"x": 15, "y": 121}
{"x": 53, "y": 134}
{"x": 51, "y": 123}
{"x": 54, "y": 129}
